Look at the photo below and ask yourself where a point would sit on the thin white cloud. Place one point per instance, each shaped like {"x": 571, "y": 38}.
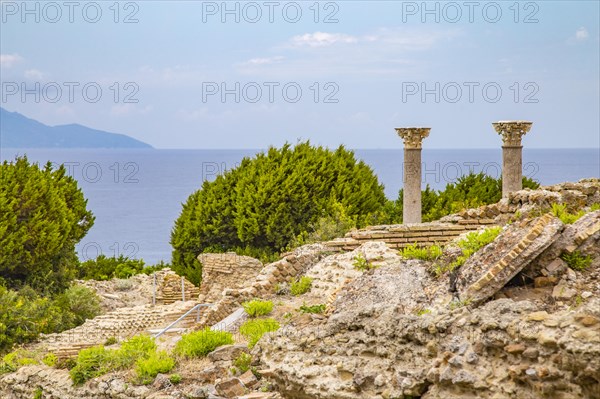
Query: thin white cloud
{"x": 33, "y": 74}
{"x": 263, "y": 61}
{"x": 321, "y": 39}
{"x": 396, "y": 37}
{"x": 582, "y": 34}
{"x": 8, "y": 60}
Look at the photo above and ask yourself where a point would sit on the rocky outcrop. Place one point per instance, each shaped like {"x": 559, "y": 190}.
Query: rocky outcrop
{"x": 390, "y": 335}
{"x": 374, "y": 349}
{"x": 490, "y": 269}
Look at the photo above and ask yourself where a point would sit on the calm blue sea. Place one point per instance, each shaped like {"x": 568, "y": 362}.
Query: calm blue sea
{"x": 136, "y": 194}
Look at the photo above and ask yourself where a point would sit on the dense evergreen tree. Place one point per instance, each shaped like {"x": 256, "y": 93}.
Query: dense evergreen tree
{"x": 42, "y": 216}
{"x": 261, "y": 206}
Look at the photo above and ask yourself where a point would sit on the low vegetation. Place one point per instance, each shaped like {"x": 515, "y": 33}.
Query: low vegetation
{"x": 254, "y": 329}
{"x": 577, "y": 261}
{"x": 242, "y": 363}
{"x": 313, "y": 309}
{"x": 139, "y": 350}
{"x": 200, "y": 343}
{"x": 25, "y": 314}
{"x": 429, "y": 253}
{"x": 361, "y": 263}
{"x": 561, "y": 212}
{"x": 472, "y": 243}
{"x": 257, "y": 307}
{"x": 300, "y": 286}
{"x": 106, "y": 268}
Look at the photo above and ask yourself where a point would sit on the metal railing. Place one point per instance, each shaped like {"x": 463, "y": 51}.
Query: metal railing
{"x": 197, "y": 307}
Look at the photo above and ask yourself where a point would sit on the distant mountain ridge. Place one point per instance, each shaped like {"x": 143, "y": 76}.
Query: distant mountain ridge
{"x": 18, "y": 131}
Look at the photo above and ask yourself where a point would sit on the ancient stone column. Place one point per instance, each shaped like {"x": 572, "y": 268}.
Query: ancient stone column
{"x": 413, "y": 138}
{"x": 512, "y": 153}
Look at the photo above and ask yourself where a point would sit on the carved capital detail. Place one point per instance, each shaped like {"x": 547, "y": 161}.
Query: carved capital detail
{"x": 512, "y": 131}
{"x": 413, "y": 136}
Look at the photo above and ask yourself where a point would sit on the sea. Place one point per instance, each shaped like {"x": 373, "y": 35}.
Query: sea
{"x": 136, "y": 195}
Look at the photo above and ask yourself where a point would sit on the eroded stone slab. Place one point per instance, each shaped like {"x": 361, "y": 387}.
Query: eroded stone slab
{"x": 491, "y": 268}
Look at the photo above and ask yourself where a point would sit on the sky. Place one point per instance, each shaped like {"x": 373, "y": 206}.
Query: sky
{"x": 247, "y": 75}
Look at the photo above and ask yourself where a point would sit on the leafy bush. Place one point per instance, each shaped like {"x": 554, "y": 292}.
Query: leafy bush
{"x": 472, "y": 243}
{"x": 42, "y": 216}
{"x": 106, "y": 268}
{"x": 147, "y": 368}
{"x": 313, "y": 309}
{"x": 13, "y": 360}
{"x": 96, "y": 361}
{"x": 201, "y": 343}
{"x": 576, "y": 260}
{"x": 137, "y": 347}
{"x": 175, "y": 379}
{"x": 24, "y": 314}
{"x": 561, "y": 212}
{"x": 430, "y": 253}
{"x": 269, "y": 200}
{"x": 92, "y": 362}
{"x": 50, "y": 360}
{"x": 78, "y": 303}
{"x": 257, "y": 307}
{"x": 300, "y": 286}
{"x": 254, "y": 329}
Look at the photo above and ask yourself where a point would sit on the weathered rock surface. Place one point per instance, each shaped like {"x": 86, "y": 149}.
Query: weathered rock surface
{"x": 504, "y": 349}
{"x": 490, "y": 269}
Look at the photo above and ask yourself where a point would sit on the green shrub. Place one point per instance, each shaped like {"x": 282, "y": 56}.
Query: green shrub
{"x": 313, "y": 309}
{"x": 147, "y": 368}
{"x": 50, "y": 359}
{"x": 595, "y": 207}
{"x": 91, "y": 362}
{"x": 24, "y": 314}
{"x": 257, "y": 307}
{"x": 269, "y": 200}
{"x": 78, "y": 303}
{"x": 137, "y": 347}
{"x": 201, "y": 343}
{"x": 13, "y": 360}
{"x": 243, "y": 362}
{"x": 110, "y": 341}
{"x": 254, "y": 329}
{"x": 96, "y": 361}
{"x": 42, "y": 216}
{"x": 469, "y": 191}
{"x": 106, "y": 268}
{"x": 472, "y": 243}
{"x": 561, "y": 212}
{"x": 38, "y": 393}
{"x": 175, "y": 379}
{"x": 300, "y": 286}
{"x": 361, "y": 263}
{"x": 576, "y": 260}
{"x": 430, "y": 253}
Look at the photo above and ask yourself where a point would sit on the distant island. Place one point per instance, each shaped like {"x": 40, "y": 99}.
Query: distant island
{"x": 18, "y": 131}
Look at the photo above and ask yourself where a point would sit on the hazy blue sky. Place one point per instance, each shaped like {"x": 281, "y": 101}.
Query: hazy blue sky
{"x": 361, "y": 66}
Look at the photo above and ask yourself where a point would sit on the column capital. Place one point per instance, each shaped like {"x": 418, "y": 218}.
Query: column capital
{"x": 413, "y": 136}
{"x": 512, "y": 131}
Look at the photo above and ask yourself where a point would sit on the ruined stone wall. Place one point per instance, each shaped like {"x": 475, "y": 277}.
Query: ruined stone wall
{"x": 228, "y": 270}
{"x": 121, "y": 324}
{"x": 401, "y": 235}
{"x": 290, "y": 265}
{"x": 576, "y": 196}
